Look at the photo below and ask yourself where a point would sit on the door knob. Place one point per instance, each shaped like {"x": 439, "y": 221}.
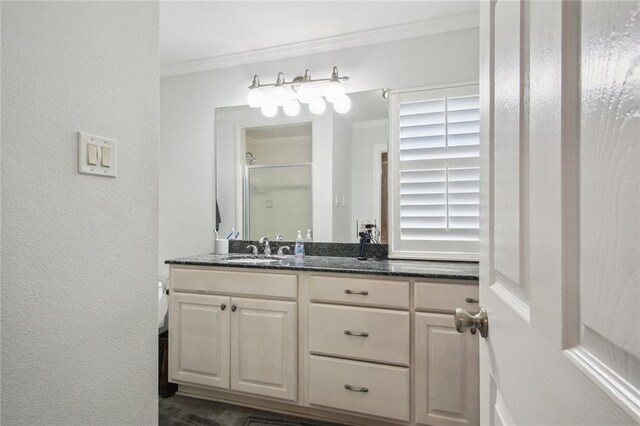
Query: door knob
{"x": 466, "y": 321}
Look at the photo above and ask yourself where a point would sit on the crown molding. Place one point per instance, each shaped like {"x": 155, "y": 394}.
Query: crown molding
{"x": 344, "y": 41}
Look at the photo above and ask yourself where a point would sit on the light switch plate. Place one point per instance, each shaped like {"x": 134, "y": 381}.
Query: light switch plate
{"x": 84, "y": 140}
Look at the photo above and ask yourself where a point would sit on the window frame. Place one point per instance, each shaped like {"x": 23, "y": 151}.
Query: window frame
{"x": 396, "y": 248}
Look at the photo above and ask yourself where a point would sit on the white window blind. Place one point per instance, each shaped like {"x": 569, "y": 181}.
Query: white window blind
{"x": 435, "y": 174}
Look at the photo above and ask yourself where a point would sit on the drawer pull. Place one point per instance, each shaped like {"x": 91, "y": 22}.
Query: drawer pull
{"x": 471, "y": 300}
{"x": 223, "y": 307}
{"x": 351, "y": 333}
{"x": 364, "y": 293}
{"x": 356, "y": 388}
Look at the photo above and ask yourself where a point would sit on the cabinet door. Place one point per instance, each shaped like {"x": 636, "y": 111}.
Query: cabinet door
{"x": 199, "y": 339}
{"x": 446, "y": 372}
{"x": 263, "y": 347}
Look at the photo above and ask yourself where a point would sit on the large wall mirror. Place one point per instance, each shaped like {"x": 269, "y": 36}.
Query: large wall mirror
{"x": 326, "y": 172}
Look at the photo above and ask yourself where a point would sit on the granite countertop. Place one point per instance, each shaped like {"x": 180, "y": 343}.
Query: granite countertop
{"x": 348, "y": 265}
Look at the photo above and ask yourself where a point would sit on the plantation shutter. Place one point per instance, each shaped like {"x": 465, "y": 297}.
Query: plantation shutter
{"x": 435, "y": 173}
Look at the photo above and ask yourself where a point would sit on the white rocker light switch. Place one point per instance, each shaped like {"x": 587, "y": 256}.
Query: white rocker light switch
{"x": 106, "y": 156}
{"x": 96, "y": 155}
{"x": 92, "y": 154}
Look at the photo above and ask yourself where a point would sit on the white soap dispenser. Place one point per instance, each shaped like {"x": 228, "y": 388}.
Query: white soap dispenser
{"x": 308, "y": 239}
{"x": 299, "y": 250}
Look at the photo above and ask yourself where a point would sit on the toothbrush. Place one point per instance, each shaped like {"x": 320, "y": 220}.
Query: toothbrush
{"x": 230, "y": 236}
{"x": 237, "y": 235}
{"x": 215, "y": 233}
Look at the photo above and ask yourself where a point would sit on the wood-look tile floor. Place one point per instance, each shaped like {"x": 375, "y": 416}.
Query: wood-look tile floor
{"x": 181, "y": 410}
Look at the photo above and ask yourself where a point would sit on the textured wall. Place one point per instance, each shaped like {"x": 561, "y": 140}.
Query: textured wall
{"x": 79, "y": 252}
{"x": 188, "y": 103}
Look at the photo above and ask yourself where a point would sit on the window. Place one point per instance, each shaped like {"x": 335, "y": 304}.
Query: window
{"x": 434, "y": 173}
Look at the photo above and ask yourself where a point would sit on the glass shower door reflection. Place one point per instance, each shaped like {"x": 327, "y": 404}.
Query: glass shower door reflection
{"x": 278, "y": 201}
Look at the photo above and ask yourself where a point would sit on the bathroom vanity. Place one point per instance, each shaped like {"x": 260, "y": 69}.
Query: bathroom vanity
{"x": 356, "y": 342}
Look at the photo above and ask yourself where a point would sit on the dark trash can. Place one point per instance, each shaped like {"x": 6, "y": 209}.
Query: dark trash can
{"x": 165, "y": 388}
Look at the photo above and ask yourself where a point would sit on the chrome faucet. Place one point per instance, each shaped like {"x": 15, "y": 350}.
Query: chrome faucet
{"x": 254, "y": 249}
{"x": 265, "y": 242}
{"x": 282, "y": 249}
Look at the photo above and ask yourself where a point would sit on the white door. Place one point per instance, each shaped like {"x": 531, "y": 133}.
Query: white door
{"x": 199, "y": 351}
{"x": 560, "y": 252}
{"x": 263, "y": 347}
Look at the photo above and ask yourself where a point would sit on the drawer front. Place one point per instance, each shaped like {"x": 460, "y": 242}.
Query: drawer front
{"x": 234, "y": 282}
{"x": 375, "y": 334}
{"x": 359, "y": 291}
{"x": 445, "y": 297}
{"x": 387, "y": 387}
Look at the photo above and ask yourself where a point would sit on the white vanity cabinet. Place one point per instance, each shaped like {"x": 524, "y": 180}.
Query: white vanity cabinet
{"x": 199, "y": 344}
{"x": 446, "y": 362}
{"x": 263, "y": 347}
{"x": 359, "y": 355}
{"x": 238, "y": 341}
{"x": 348, "y": 348}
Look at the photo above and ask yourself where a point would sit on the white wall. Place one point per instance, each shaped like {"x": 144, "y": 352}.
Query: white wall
{"x": 188, "y": 103}
{"x": 366, "y": 135}
{"x": 0, "y": 215}
{"x": 341, "y": 180}
{"x": 79, "y": 252}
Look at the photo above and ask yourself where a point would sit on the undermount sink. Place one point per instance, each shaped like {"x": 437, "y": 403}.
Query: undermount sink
{"x": 252, "y": 259}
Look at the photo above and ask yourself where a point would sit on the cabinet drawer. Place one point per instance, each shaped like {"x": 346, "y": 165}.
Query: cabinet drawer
{"x": 392, "y": 294}
{"x": 386, "y": 340}
{"x": 445, "y": 297}
{"x": 234, "y": 282}
{"x": 387, "y": 387}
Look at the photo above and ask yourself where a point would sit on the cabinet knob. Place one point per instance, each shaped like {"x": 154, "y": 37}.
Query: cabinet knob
{"x": 364, "y": 293}
{"x": 233, "y": 308}
{"x": 471, "y": 300}
{"x": 472, "y": 322}
{"x": 356, "y": 388}
{"x": 223, "y": 307}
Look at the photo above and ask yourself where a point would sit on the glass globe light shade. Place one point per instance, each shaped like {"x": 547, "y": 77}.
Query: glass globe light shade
{"x": 317, "y": 106}
{"x": 269, "y": 109}
{"x": 291, "y": 108}
{"x": 255, "y": 98}
{"x": 333, "y": 91}
{"x": 281, "y": 95}
{"x": 342, "y": 104}
{"x": 306, "y": 93}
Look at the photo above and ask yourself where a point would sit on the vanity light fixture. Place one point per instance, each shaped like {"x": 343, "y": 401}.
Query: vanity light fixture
{"x": 301, "y": 90}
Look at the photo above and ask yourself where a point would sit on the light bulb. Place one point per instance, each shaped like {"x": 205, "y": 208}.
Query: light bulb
{"x": 269, "y": 109}
{"x": 306, "y": 93}
{"x": 317, "y": 106}
{"x": 282, "y": 94}
{"x": 255, "y": 98}
{"x": 333, "y": 91}
{"x": 291, "y": 108}
{"x": 342, "y": 104}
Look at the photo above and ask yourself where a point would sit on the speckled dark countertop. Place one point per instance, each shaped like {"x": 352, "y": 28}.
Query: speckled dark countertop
{"x": 348, "y": 265}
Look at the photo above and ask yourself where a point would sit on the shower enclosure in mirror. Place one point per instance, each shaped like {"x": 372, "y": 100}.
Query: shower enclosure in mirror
{"x": 277, "y": 181}
{"x": 325, "y": 172}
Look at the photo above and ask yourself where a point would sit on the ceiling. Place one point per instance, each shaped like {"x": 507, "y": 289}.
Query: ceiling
{"x": 191, "y": 31}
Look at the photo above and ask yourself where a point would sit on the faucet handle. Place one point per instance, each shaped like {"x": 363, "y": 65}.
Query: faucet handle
{"x": 254, "y": 249}
{"x": 279, "y": 237}
{"x": 263, "y": 239}
{"x": 282, "y": 249}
